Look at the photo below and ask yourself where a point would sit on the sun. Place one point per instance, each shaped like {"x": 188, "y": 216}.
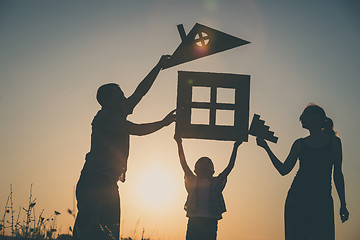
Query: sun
{"x": 156, "y": 187}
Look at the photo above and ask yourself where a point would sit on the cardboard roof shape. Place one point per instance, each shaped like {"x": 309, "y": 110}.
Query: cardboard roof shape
{"x": 201, "y": 42}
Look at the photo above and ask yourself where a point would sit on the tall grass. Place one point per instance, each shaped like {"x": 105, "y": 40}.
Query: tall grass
{"x": 25, "y": 225}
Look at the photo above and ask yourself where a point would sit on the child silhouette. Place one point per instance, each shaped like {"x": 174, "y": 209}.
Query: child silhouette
{"x": 205, "y": 202}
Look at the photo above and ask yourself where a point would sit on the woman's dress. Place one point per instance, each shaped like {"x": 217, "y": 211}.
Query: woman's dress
{"x": 309, "y": 210}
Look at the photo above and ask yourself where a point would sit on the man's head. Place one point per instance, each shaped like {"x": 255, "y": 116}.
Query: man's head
{"x": 111, "y": 96}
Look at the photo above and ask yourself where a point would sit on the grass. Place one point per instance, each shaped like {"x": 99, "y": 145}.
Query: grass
{"x": 25, "y": 225}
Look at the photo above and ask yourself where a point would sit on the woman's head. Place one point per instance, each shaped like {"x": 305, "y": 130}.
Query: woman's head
{"x": 314, "y": 116}
{"x": 204, "y": 167}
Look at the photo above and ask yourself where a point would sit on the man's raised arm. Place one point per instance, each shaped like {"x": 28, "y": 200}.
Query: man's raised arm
{"x": 145, "y": 85}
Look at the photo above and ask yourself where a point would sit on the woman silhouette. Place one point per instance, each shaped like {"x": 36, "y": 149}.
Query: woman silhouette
{"x": 309, "y": 210}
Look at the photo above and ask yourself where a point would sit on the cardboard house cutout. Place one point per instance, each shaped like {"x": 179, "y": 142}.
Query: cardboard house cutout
{"x": 200, "y": 42}
{"x": 237, "y": 108}
{"x": 259, "y": 129}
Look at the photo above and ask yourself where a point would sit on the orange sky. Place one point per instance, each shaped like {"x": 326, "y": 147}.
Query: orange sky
{"x": 56, "y": 54}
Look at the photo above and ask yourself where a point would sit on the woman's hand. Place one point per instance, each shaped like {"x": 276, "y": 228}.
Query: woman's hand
{"x": 344, "y": 214}
{"x": 261, "y": 142}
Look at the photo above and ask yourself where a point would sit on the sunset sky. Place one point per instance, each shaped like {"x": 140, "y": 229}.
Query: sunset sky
{"x": 55, "y": 54}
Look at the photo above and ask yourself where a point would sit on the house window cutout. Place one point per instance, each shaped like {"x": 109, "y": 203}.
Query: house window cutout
{"x": 201, "y": 94}
{"x": 218, "y": 118}
{"x": 201, "y": 39}
{"x": 200, "y": 116}
{"x": 225, "y": 95}
{"x": 224, "y": 117}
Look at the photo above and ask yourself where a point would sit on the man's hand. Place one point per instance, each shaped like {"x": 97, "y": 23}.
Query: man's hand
{"x": 171, "y": 117}
{"x": 164, "y": 60}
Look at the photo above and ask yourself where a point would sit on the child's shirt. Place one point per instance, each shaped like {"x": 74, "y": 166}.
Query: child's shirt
{"x": 205, "y": 198}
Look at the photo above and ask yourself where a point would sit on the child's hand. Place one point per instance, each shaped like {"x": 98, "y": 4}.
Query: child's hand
{"x": 177, "y": 138}
{"x": 164, "y": 60}
{"x": 237, "y": 143}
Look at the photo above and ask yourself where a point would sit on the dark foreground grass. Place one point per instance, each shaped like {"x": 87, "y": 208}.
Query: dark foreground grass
{"x": 60, "y": 237}
{"x": 24, "y": 225}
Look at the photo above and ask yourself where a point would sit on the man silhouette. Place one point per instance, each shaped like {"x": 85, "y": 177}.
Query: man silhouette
{"x": 97, "y": 190}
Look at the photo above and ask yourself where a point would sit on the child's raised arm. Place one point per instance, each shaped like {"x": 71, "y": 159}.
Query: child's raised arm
{"x": 183, "y": 162}
{"x": 231, "y": 164}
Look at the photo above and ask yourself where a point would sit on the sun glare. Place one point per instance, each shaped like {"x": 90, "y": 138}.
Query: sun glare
{"x": 156, "y": 187}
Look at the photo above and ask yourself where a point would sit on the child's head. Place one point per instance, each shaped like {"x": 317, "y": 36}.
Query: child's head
{"x": 111, "y": 96}
{"x": 204, "y": 167}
